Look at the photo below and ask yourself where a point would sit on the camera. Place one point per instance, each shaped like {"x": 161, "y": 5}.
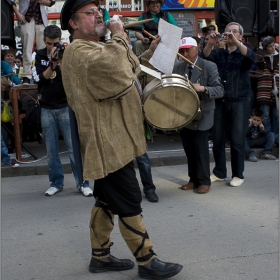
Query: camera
{"x": 59, "y": 50}
{"x": 221, "y": 37}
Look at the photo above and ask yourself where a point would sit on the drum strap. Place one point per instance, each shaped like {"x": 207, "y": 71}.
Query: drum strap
{"x": 139, "y": 88}
{"x": 138, "y": 85}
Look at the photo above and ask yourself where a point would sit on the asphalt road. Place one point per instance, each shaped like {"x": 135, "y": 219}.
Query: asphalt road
{"x": 227, "y": 234}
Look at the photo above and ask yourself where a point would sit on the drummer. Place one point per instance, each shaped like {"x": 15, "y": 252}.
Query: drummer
{"x": 156, "y": 13}
{"x": 195, "y": 135}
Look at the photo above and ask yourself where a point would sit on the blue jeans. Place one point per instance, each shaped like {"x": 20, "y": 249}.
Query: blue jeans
{"x": 5, "y": 158}
{"x": 51, "y": 120}
{"x": 252, "y": 102}
{"x": 232, "y": 115}
{"x": 145, "y": 171}
{"x": 270, "y": 118}
{"x": 266, "y": 140}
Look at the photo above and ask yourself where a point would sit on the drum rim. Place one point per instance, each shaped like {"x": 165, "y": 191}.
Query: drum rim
{"x": 157, "y": 84}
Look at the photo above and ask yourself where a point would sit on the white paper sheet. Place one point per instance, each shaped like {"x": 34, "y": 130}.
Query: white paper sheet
{"x": 150, "y": 71}
{"x": 165, "y": 54}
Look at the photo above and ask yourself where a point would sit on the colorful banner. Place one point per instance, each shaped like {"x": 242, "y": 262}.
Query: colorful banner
{"x": 188, "y": 4}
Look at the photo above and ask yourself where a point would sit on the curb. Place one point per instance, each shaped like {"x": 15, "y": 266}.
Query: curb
{"x": 157, "y": 158}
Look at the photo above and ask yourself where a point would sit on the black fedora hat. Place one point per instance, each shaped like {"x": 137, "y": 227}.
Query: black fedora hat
{"x": 149, "y": 1}
{"x": 69, "y": 7}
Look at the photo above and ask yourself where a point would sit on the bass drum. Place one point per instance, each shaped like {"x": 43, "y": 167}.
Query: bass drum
{"x": 170, "y": 103}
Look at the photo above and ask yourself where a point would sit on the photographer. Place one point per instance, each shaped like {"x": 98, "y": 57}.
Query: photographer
{"x": 231, "y": 111}
{"x": 54, "y": 109}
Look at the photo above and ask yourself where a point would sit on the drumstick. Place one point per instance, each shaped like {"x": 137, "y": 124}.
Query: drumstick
{"x": 137, "y": 23}
{"x": 188, "y": 61}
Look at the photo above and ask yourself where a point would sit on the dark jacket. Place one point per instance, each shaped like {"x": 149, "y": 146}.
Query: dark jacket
{"x": 151, "y": 26}
{"x": 52, "y": 91}
{"x": 254, "y": 132}
{"x": 207, "y": 77}
{"x": 234, "y": 70}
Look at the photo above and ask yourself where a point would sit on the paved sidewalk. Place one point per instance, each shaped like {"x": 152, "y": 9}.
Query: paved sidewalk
{"x": 228, "y": 234}
{"x": 165, "y": 150}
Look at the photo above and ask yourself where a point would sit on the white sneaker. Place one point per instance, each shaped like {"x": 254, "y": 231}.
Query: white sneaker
{"x": 86, "y": 191}
{"x": 214, "y": 178}
{"x": 236, "y": 182}
{"x": 52, "y": 191}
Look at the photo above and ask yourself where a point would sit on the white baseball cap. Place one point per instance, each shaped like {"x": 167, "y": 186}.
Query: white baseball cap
{"x": 187, "y": 43}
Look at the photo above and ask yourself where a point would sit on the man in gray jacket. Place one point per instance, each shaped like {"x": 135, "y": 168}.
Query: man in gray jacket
{"x": 195, "y": 135}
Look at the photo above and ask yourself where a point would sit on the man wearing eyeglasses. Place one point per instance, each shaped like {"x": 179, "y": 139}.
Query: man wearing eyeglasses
{"x": 101, "y": 88}
{"x": 232, "y": 110}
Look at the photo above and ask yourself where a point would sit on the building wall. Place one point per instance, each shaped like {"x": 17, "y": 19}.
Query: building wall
{"x": 185, "y": 20}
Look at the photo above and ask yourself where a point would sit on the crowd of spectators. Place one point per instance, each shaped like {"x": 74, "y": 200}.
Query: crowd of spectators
{"x": 264, "y": 73}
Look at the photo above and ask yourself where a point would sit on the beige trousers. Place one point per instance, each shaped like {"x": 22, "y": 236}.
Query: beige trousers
{"x": 132, "y": 230}
{"x": 29, "y": 32}
{"x": 139, "y": 47}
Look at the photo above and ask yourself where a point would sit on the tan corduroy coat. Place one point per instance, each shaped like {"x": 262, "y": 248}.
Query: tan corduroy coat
{"x": 99, "y": 81}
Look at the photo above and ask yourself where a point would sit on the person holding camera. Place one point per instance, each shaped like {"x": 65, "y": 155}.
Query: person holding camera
{"x": 155, "y": 13}
{"x": 54, "y": 109}
{"x": 232, "y": 110}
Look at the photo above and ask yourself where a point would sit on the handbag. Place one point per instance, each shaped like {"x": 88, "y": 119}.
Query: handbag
{"x": 7, "y": 114}
{"x": 33, "y": 111}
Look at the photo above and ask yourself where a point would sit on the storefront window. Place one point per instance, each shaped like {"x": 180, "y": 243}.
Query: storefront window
{"x": 110, "y": 5}
{"x": 123, "y": 5}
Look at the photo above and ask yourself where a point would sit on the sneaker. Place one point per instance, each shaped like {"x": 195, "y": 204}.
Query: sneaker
{"x": 253, "y": 158}
{"x": 214, "y": 178}
{"x": 267, "y": 156}
{"x": 25, "y": 81}
{"x": 86, "y": 191}
{"x": 52, "y": 191}
{"x": 236, "y": 182}
{"x": 12, "y": 164}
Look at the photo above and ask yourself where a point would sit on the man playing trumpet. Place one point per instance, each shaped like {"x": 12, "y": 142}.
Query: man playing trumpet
{"x": 100, "y": 84}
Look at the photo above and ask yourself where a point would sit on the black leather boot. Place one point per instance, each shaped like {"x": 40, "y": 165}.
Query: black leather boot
{"x": 157, "y": 269}
{"x": 109, "y": 264}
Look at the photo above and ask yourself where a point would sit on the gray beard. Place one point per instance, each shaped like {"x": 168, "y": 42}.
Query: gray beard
{"x": 101, "y": 31}
{"x": 98, "y": 31}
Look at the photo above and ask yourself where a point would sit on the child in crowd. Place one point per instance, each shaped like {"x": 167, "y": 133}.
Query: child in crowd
{"x": 18, "y": 62}
{"x": 5, "y": 158}
{"x": 257, "y": 136}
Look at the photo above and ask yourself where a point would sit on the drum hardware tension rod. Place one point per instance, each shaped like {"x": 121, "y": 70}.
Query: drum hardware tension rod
{"x": 188, "y": 61}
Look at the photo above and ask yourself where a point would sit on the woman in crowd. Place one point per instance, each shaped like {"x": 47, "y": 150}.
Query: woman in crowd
{"x": 268, "y": 62}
